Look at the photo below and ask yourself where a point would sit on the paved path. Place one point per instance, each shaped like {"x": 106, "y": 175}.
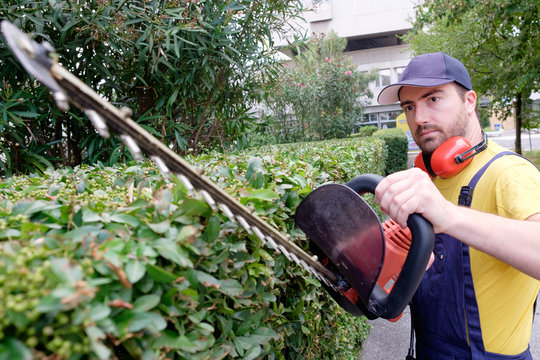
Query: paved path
{"x": 507, "y": 138}
{"x": 388, "y": 341}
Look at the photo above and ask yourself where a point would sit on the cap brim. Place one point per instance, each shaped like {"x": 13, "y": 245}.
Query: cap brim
{"x": 389, "y": 95}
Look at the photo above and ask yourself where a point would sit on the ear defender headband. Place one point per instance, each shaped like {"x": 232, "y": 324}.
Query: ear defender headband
{"x": 450, "y": 157}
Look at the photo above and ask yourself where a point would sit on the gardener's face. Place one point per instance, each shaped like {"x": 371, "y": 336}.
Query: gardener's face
{"x": 435, "y": 114}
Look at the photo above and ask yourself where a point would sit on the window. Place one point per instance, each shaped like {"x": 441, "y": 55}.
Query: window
{"x": 399, "y": 71}
{"x": 388, "y": 119}
{"x": 369, "y": 118}
{"x": 383, "y": 120}
{"x": 384, "y": 78}
{"x": 394, "y": 114}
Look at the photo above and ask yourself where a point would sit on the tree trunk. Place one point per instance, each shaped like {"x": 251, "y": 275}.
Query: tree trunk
{"x": 519, "y": 121}
{"x": 77, "y": 152}
{"x": 59, "y": 147}
{"x": 74, "y": 152}
{"x": 15, "y": 158}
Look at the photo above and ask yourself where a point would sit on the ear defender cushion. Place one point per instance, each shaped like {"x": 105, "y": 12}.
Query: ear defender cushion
{"x": 443, "y": 160}
{"x": 419, "y": 163}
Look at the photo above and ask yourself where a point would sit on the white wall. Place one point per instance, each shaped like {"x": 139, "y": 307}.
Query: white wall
{"x": 350, "y": 18}
{"x": 363, "y": 17}
{"x": 387, "y": 57}
{"x": 392, "y": 57}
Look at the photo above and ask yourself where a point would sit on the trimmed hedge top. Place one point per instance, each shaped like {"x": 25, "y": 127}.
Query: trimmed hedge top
{"x": 114, "y": 262}
{"x": 396, "y": 147}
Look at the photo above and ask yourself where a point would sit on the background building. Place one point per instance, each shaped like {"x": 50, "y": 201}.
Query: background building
{"x": 371, "y": 29}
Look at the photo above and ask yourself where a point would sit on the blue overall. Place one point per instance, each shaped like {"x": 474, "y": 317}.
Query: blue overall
{"x": 444, "y": 309}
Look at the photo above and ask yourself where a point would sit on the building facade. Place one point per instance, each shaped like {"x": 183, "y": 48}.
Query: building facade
{"x": 371, "y": 29}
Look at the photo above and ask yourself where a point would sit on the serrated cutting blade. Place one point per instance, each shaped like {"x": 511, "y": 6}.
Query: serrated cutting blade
{"x": 39, "y": 60}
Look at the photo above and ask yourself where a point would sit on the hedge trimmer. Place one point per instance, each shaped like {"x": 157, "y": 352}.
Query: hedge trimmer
{"x": 347, "y": 240}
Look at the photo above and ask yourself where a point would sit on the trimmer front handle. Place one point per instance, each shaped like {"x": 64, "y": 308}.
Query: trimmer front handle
{"x": 391, "y": 305}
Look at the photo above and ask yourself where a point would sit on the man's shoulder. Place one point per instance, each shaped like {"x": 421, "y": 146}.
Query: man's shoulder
{"x": 506, "y": 162}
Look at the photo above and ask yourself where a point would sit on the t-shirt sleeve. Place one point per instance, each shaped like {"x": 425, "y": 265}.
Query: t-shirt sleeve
{"x": 518, "y": 191}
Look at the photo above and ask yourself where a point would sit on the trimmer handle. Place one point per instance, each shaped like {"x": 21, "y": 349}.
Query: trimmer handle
{"x": 389, "y": 306}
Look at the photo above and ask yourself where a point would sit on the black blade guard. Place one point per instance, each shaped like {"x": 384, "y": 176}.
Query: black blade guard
{"x": 348, "y": 231}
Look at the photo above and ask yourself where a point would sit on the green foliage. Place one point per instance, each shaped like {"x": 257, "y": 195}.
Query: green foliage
{"x": 103, "y": 262}
{"x": 258, "y": 136}
{"x": 366, "y": 131}
{"x": 396, "y": 147}
{"x": 497, "y": 40}
{"x": 485, "y": 115}
{"x": 190, "y": 70}
{"x": 317, "y": 96}
{"x": 531, "y": 116}
{"x": 533, "y": 156}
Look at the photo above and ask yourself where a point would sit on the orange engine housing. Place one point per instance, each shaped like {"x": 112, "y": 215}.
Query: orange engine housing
{"x": 398, "y": 242}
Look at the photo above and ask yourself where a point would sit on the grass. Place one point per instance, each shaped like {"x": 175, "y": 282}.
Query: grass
{"x": 534, "y": 156}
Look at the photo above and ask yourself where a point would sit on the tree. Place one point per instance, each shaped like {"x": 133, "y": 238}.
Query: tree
{"x": 190, "y": 70}
{"x": 318, "y": 94}
{"x": 497, "y": 40}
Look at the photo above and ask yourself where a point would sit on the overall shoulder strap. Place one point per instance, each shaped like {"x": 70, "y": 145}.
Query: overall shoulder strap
{"x": 474, "y": 329}
{"x": 466, "y": 193}
{"x": 471, "y": 307}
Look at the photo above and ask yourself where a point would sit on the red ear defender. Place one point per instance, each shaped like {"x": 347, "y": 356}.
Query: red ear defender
{"x": 419, "y": 163}
{"x": 451, "y": 156}
{"x": 443, "y": 160}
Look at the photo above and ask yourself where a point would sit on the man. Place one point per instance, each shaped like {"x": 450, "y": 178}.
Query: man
{"x": 477, "y": 299}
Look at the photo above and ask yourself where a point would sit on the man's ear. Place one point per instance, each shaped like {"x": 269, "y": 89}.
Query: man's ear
{"x": 470, "y": 101}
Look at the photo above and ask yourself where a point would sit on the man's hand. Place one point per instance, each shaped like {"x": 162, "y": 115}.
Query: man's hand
{"x": 515, "y": 242}
{"x": 412, "y": 191}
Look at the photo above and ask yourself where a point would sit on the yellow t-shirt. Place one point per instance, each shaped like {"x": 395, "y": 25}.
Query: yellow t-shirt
{"x": 510, "y": 187}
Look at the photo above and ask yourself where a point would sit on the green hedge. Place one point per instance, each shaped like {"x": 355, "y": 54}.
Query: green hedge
{"x": 397, "y": 146}
{"x": 104, "y": 262}
{"x": 366, "y": 131}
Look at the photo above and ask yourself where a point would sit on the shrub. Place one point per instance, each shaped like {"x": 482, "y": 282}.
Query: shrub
{"x": 366, "y": 131}
{"x": 397, "y": 146}
{"x": 105, "y": 262}
{"x": 190, "y": 70}
{"x": 317, "y": 97}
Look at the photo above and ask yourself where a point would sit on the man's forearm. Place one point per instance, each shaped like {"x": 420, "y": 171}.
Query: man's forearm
{"x": 514, "y": 242}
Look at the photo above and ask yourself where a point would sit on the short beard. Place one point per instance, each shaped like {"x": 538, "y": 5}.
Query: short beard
{"x": 458, "y": 128}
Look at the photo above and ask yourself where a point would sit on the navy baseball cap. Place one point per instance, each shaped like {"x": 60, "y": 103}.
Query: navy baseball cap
{"x": 426, "y": 71}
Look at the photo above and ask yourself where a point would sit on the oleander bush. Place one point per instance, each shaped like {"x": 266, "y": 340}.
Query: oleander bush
{"x": 114, "y": 262}
{"x": 191, "y": 71}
